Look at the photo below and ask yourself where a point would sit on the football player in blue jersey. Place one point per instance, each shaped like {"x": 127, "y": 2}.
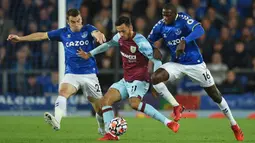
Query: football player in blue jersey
{"x": 79, "y": 73}
{"x": 179, "y": 32}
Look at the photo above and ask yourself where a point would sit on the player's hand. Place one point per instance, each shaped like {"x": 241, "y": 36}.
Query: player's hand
{"x": 99, "y": 37}
{"x": 180, "y": 48}
{"x": 13, "y": 38}
{"x": 154, "y": 93}
{"x": 156, "y": 54}
{"x": 83, "y": 54}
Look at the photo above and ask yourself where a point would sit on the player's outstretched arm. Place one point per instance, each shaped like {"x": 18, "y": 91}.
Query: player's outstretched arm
{"x": 32, "y": 37}
{"x": 99, "y": 36}
{"x": 100, "y": 49}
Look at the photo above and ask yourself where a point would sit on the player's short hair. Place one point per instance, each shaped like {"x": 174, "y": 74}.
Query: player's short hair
{"x": 72, "y": 12}
{"x": 123, "y": 20}
{"x": 170, "y": 7}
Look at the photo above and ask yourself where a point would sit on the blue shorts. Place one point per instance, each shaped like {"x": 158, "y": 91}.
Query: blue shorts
{"x": 131, "y": 89}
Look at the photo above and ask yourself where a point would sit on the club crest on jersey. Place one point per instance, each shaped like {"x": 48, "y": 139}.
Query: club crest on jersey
{"x": 178, "y": 31}
{"x": 68, "y": 35}
{"x": 132, "y": 49}
{"x": 84, "y": 34}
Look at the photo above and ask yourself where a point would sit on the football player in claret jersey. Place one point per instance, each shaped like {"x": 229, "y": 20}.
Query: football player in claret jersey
{"x": 136, "y": 51}
{"x": 79, "y": 73}
{"x": 179, "y": 31}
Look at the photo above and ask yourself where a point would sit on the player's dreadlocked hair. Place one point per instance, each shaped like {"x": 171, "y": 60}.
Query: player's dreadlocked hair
{"x": 170, "y": 7}
{"x": 123, "y": 20}
{"x": 72, "y": 12}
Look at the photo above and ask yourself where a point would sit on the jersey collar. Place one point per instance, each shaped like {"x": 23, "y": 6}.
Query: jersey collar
{"x": 176, "y": 17}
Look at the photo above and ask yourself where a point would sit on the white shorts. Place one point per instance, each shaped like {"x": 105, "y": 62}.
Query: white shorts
{"x": 87, "y": 82}
{"x": 197, "y": 73}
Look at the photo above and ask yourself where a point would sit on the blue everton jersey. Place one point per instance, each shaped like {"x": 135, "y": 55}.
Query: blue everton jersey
{"x": 173, "y": 34}
{"x": 72, "y": 41}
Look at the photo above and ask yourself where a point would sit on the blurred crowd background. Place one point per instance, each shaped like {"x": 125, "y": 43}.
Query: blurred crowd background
{"x": 228, "y": 45}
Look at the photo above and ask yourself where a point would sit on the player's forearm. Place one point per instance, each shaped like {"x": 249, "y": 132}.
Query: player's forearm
{"x": 35, "y": 37}
{"x": 100, "y": 49}
{"x": 195, "y": 34}
{"x": 157, "y": 64}
{"x": 152, "y": 43}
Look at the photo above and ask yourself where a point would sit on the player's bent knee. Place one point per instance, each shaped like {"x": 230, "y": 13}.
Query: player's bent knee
{"x": 160, "y": 75}
{"x": 134, "y": 103}
{"x": 154, "y": 79}
{"x": 64, "y": 93}
{"x": 105, "y": 102}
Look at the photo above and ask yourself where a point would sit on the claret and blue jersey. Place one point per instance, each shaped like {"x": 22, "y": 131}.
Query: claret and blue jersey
{"x": 172, "y": 34}
{"x": 72, "y": 41}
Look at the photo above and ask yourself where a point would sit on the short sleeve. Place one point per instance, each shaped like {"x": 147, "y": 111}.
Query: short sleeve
{"x": 144, "y": 46}
{"x": 54, "y": 35}
{"x": 116, "y": 37}
{"x": 189, "y": 21}
{"x": 155, "y": 33}
{"x": 90, "y": 28}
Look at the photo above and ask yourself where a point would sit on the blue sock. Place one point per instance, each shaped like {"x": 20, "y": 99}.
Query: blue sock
{"x": 108, "y": 115}
{"x": 152, "y": 112}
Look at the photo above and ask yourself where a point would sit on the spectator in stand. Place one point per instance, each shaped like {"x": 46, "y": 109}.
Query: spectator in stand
{"x": 222, "y": 6}
{"x": 217, "y": 68}
{"x": 215, "y": 20}
{"x": 191, "y": 12}
{"x": 235, "y": 32}
{"x": 5, "y": 26}
{"x": 249, "y": 22}
{"x": 140, "y": 26}
{"x": 17, "y": 82}
{"x": 32, "y": 88}
{"x": 210, "y": 30}
{"x": 47, "y": 57}
{"x": 50, "y": 83}
{"x": 231, "y": 85}
{"x": 248, "y": 40}
{"x": 3, "y": 62}
{"x": 240, "y": 58}
{"x": 226, "y": 41}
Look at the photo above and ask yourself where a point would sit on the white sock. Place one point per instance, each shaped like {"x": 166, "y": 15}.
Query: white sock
{"x": 225, "y": 109}
{"x": 60, "y": 108}
{"x": 162, "y": 90}
{"x": 100, "y": 121}
{"x": 167, "y": 121}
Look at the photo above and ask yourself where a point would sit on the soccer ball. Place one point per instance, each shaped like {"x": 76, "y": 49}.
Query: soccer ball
{"x": 118, "y": 126}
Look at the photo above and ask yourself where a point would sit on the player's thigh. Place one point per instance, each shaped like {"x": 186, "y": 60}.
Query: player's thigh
{"x": 91, "y": 87}
{"x": 68, "y": 86}
{"x": 137, "y": 88}
{"x": 199, "y": 73}
{"x": 174, "y": 70}
{"x": 121, "y": 88}
{"x": 111, "y": 96}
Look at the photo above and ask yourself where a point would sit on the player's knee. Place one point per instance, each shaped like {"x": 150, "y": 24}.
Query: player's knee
{"x": 155, "y": 79}
{"x": 106, "y": 102}
{"x": 160, "y": 75}
{"x": 64, "y": 92}
{"x": 134, "y": 102}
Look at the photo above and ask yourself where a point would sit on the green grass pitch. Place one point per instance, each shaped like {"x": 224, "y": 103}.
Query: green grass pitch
{"x": 146, "y": 130}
